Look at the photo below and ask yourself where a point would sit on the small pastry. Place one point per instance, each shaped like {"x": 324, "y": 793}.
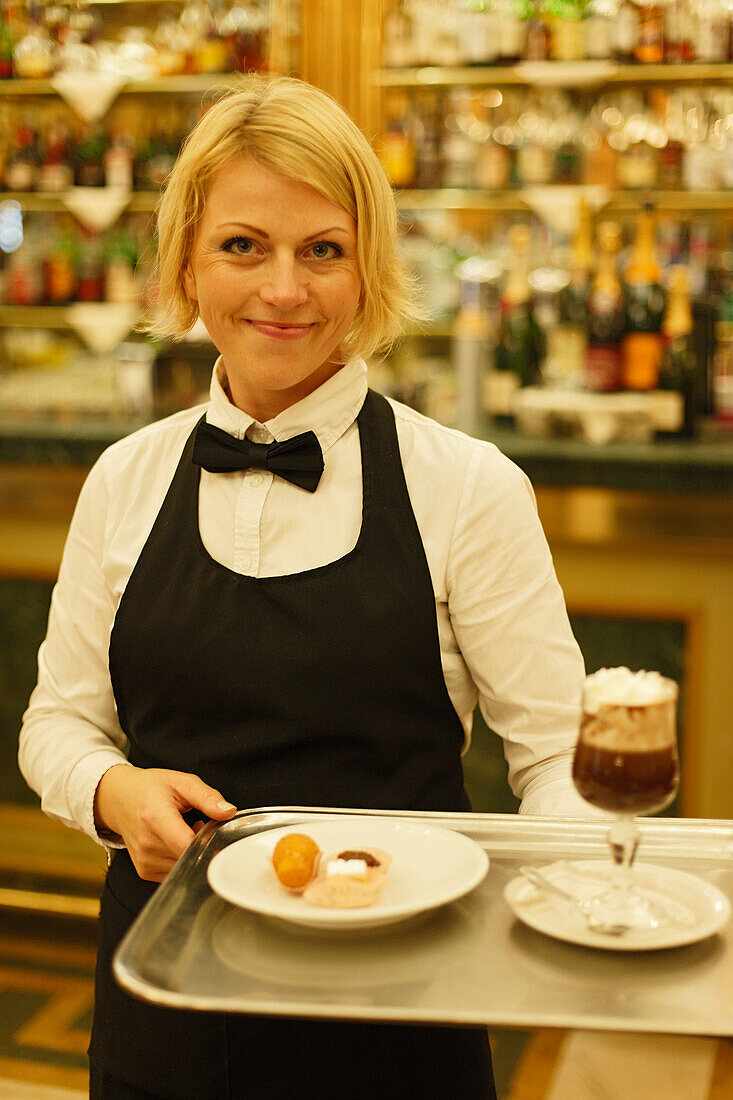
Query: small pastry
{"x": 350, "y": 879}
{"x": 295, "y": 860}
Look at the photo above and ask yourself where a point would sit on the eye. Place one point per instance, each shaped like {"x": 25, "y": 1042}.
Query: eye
{"x": 325, "y": 250}
{"x": 240, "y": 246}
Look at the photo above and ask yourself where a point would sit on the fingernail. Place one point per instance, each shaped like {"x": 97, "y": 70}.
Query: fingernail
{"x": 223, "y": 805}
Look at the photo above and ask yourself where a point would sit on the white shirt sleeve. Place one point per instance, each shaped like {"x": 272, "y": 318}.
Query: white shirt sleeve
{"x": 71, "y": 734}
{"x": 508, "y": 615}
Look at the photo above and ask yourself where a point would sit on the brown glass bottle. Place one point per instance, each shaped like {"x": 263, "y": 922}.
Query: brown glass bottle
{"x": 642, "y": 346}
{"x": 606, "y": 315}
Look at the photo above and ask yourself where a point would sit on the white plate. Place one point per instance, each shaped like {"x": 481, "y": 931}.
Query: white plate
{"x": 701, "y": 908}
{"x": 431, "y": 866}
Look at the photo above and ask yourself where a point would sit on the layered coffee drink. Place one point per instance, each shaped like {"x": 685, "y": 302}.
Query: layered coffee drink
{"x": 626, "y": 756}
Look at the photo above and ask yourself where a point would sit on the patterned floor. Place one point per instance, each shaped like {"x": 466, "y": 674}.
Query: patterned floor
{"x": 46, "y": 997}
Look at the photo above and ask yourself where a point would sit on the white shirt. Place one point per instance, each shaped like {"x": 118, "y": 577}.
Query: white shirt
{"x": 504, "y": 635}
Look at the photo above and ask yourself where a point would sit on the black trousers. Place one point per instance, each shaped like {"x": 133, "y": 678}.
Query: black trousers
{"x": 141, "y": 1051}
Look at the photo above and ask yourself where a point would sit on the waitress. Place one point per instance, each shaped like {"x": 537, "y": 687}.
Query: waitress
{"x": 294, "y": 594}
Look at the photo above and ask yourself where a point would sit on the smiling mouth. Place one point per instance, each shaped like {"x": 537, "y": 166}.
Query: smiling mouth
{"x": 281, "y": 330}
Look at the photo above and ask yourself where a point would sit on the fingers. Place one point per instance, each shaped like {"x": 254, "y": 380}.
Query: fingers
{"x": 194, "y": 794}
{"x": 145, "y": 806}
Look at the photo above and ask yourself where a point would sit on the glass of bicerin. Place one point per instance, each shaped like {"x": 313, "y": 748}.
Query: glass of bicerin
{"x": 626, "y": 763}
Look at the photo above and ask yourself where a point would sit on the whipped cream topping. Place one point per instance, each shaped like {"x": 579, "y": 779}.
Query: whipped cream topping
{"x": 353, "y": 868}
{"x": 623, "y": 688}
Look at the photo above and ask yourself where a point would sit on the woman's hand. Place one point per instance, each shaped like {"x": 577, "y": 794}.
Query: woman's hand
{"x": 144, "y": 807}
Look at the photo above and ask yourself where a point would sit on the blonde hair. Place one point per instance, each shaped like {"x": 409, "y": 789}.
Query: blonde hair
{"x": 298, "y": 131}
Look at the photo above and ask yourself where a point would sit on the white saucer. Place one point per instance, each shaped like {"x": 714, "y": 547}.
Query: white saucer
{"x": 431, "y": 866}
{"x": 701, "y": 909}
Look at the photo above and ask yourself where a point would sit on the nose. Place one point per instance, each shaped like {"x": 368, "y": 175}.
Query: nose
{"x": 284, "y": 284}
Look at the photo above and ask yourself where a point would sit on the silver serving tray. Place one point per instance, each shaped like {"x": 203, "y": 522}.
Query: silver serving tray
{"x": 469, "y": 962}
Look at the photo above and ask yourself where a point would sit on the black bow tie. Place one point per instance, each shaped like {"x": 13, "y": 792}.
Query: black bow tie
{"x": 298, "y": 460}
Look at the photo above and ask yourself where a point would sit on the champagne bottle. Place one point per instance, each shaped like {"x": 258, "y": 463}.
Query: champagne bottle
{"x": 521, "y": 342}
{"x": 606, "y": 315}
{"x": 642, "y": 346}
{"x": 675, "y": 406}
{"x": 573, "y": 340}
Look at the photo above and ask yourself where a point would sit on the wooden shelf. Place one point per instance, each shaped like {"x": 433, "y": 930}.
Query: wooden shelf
{"x": 555, "y": 73}
{"x": 172, "y": 85}
{"x": 43, "y": 202}
{"x": 33, "y": 317}
{"x": 513, "y": 202}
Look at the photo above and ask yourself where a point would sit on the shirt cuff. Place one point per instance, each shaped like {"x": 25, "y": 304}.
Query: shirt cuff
{"x": 82, "y": 787}
{"x": 558, "y": 798}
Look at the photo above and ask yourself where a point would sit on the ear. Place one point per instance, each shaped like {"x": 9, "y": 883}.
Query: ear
{"x": 189, "y": 283}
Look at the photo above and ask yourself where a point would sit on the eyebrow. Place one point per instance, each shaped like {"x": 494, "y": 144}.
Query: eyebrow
{"x": 266, "y": 236}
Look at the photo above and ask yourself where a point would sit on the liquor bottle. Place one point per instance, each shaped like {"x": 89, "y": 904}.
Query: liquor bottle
{"x": 397, "y": 144}
{"x": 6, "y": 47}
{"x": 512, "y": 31}
{"x": 120, "y": 261}
{"x": 573, "y": 336}
{"x": 642, "y": 345}
{"x": 118, "y": 160}
{"x": 722, "y": 365}
{"x": 671, "y": 155}
{"x": 568, "y": 30}
{"x": 606, "y": 315}
{"x": 22, "y": 159}
{"x": 56, "y": 172}
{"x": 650, "y": 44}
{"x": 539, "y": 34}
{"x": 61, "y": 265}
{"x": 161, "y": 153}
{"x": 24, "y": 282}
{"x": 478, "y": 32}
{"x": 90, "y": 152}
{"x": 90, "y": 270}
{"x": 678, "y": 32}
{"x": 711, "y": 30}
{"x": 600, "y": 31}
{"x": 627, "y": 32}
{"x": 397, "y": 37}
{"x": 677, "y": 401}
{"x": 521, "y": 342}
{"x": 428, "y": 126}
{"x": 458, "y": 149}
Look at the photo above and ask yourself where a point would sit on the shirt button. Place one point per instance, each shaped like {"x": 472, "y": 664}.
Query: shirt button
{"x": 256, "y": 480}
{"x": 247, "y": 563}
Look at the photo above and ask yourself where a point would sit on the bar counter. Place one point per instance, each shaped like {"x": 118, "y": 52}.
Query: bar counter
{"x": 704, "y": 465}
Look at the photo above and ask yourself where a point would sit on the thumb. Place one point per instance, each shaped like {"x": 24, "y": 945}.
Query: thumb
{"x": 200, "y": 796}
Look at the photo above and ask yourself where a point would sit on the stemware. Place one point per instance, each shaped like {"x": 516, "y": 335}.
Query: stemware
{"x": 626, "y": 762}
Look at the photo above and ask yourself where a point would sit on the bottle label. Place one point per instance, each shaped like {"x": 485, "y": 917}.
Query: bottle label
{"x": 666, "y": 410}
{"x": 20, "y": 175}
{"x": 603, "y": 367}
{"x": 642, "y": 358}
{"x": 499, "y": 390}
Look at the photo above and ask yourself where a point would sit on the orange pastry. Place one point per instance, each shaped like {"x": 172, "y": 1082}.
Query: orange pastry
{"x": 295, "y": 859}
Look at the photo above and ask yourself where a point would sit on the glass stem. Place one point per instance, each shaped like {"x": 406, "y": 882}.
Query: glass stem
{"x": 623, "y": 838}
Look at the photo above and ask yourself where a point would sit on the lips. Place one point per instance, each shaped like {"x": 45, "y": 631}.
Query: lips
{"x": 281, "y": 330}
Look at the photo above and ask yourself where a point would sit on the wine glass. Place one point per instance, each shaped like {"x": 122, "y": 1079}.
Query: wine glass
{"x": 626, "y": 762}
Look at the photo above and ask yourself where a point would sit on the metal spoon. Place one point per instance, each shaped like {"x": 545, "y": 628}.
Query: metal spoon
{"x": 595, "y": 922}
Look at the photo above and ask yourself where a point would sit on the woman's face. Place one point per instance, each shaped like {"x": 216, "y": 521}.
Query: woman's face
{"x": 275, "y": 275}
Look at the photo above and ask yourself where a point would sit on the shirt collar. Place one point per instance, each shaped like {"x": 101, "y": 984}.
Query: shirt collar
{"x": 328, "y": 411}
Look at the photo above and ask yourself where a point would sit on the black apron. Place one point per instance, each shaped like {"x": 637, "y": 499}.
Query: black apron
{"x": 320, "y": 688}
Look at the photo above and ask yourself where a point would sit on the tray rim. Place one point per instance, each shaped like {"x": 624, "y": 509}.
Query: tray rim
{"x": 501, "y": 834}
